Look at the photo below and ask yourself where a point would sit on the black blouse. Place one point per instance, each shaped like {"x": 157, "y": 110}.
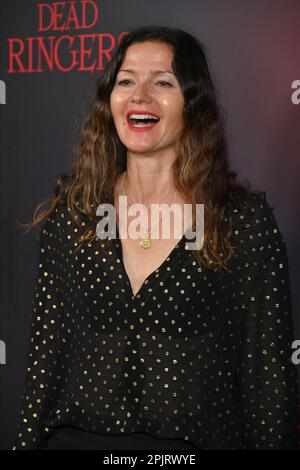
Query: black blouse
{"x": 198, "y": 354}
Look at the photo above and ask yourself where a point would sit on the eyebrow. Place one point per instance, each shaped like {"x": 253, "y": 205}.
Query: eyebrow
{"x": 155, "y": 72}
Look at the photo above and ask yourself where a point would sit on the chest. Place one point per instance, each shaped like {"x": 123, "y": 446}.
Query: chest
{"x": 140, "y": 262}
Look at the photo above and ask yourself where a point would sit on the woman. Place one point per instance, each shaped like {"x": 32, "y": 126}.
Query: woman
{"x": 139, "y": 343}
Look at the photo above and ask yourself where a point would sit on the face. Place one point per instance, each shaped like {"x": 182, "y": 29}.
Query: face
{"x": 145, "y": 85}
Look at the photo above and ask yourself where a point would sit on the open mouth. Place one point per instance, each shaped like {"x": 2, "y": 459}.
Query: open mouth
{"x": 142, "y": 120}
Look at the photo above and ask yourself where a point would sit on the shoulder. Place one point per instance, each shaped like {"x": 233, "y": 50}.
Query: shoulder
{"x": 255, "y": 229}
{"x": 251, "y": 208}
{"x": 53, "y": 224}
{"x": 64, "y": 227}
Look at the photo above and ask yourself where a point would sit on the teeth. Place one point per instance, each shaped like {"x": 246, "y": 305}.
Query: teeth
{"x": 143, "y": 116}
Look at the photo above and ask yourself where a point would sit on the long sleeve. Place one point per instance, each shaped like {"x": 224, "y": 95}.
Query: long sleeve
{"x": 267, "y": 379}
{"x": 43, "y": 364}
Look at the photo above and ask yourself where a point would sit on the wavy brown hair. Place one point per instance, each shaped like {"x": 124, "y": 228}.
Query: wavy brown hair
{"x": 201, "y": 170}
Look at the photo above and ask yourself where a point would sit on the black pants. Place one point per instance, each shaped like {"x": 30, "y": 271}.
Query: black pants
{"x": 69, "y": 438}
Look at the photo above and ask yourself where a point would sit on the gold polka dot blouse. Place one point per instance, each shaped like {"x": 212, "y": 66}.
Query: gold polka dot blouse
{"x": 197, "y": 354}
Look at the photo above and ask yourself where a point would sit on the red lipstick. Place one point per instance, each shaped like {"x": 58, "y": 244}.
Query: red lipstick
{"x": 141, "y": 128}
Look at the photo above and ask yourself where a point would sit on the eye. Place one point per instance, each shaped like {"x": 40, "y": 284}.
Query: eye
{"x": 168, "y": 84}
{"x": 124, "y": 80}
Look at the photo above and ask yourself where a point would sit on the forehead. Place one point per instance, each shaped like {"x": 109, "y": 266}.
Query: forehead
{"x": 148, "y": 54}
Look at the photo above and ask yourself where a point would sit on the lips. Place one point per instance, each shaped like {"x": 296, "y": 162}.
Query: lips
{"x": 141, "y": 112}
{"x": 145, "y": 122}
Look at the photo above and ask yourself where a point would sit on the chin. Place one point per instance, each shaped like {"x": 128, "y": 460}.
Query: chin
{"x": 134, "y": 147}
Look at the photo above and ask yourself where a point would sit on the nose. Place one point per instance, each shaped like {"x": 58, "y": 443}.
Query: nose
{"x": 140, "y": 94}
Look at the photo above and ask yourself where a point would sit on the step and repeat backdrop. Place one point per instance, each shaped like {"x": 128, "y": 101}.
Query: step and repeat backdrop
{"x": 51, "y": 54}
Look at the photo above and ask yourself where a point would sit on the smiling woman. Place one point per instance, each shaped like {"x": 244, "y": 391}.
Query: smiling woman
{"x": 147, "y": 79}
{"x": 146, "y": 345}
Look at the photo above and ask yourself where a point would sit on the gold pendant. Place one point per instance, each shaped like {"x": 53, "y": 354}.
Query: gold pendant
{"x": 145, "y": 243}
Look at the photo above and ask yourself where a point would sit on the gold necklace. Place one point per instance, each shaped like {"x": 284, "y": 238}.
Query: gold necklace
{"x": 145, "y": 242}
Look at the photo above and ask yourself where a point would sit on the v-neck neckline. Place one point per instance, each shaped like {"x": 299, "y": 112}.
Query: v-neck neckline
{"x": 172, "y": 253}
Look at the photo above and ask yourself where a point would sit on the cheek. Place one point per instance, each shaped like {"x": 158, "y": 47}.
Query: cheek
{"x": 173, "y": 108}
{"x": 178, "y": 116}
{"x": 175, "y": 117}
{"x": 112, "y": 105}
{"x": 117, "y": 106}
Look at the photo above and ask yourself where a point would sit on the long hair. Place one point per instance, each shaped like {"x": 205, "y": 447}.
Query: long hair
{"x": 201, "y": 169}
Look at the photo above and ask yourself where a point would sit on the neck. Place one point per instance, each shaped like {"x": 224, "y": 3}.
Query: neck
{"x": 148, "y": 195}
